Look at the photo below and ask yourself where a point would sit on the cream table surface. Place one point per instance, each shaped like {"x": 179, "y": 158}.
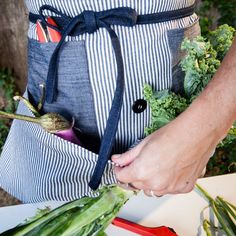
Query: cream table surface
{"x": 181, "y": 212}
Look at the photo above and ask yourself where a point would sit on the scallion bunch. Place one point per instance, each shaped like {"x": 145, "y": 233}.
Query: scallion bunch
{"x": 225, "y": 213}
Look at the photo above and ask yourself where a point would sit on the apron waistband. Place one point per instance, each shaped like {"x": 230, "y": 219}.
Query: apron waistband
{"x": 141, "y": 19}
{"x": 89, "y": 22}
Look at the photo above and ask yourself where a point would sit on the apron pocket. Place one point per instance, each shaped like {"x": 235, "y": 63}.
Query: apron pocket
{"x": 175, "y": 39}
{"x": 39, "y": 166}
{"x": 74, "y": 91}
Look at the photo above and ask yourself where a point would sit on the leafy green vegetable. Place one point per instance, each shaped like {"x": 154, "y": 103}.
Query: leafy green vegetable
{"x": 202, "y": 59}
{"x": 165, "y": 106}
{"x": 199, "y": 65}
{"x": 86, "y": 216}
{"x": 221, "y": 40}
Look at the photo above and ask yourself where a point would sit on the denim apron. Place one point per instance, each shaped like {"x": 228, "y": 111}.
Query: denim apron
{"x": 38, "y": 166}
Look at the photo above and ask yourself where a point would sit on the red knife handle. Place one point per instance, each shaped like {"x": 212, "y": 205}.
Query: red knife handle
{"x": 54, "y": 35}
{"x": 142, "y": 230}
{"x": 42, "y": 35}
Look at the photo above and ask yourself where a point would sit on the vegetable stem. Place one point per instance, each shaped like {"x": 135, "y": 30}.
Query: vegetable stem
{"x": 222, "y": 212}
{"x": 222, "y": 221}
{"x": 206, "y": 227}
{"x": 41, "y": 101}
{"x": 4, "y": 114}
{"x": 204, "y": 192}
{"x": 28, "y": 104}
{"x": 227, "y": 206}
{"x": 86, "y": 216}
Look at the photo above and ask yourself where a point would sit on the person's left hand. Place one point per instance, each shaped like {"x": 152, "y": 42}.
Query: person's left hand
{"x": 168, "y": 161}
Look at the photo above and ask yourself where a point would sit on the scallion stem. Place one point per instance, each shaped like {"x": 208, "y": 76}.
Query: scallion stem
{"x": 204, "y": 192}
{"x": 227, "y": 206}
{"x": 206, "y": 227}
{"x": 222, "y": 221}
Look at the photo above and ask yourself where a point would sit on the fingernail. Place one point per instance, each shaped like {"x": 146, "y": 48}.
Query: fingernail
{"x": 115, "y": 164}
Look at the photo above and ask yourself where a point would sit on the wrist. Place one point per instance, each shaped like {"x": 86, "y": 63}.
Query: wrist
{"x": 211, "y": 115}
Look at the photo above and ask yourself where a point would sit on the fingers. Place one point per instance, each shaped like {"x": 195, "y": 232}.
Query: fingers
{"x": 128, "y": 186}
{"x": 125, "y": 174}
{"x": 151, "y": 193}
{"x": 129, "y": 156}
{"x": 155, "y": 177}
{"x": 203, "y": 173}
{"x": 125, "y": 158}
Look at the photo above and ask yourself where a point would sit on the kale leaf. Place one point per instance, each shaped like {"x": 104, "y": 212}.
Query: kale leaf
{"x": 203, "y": 57}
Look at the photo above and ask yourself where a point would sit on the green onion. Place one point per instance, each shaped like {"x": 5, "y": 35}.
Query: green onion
{"x": 206, "y": 227}
{"x": 224, "y": 211}
{"x": 82, "y": 217}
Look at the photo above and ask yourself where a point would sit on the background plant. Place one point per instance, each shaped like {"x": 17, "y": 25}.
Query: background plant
{"x": 7, "y": 91}
{"x": 213, "y": 13}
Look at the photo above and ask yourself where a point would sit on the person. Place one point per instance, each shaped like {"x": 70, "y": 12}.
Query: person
{"x": 170, "y": 160}
{"x": 95, "y": 74}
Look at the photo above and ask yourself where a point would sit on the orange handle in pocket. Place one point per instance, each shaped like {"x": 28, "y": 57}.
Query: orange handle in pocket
{"x": 54, "y": 36}
{"x": 41, "y": 33}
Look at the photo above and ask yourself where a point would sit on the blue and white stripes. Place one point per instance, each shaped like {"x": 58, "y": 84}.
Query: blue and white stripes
{"x": 43, "y": 166}
{"x": 75, "y": 7}
{"x": 146, "y": 56}
{"x": 39, "y": 166}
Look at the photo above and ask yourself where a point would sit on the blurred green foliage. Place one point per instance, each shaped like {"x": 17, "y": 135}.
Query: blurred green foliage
{"x": 7, "y": 91}
{"x": 214, "y": 13}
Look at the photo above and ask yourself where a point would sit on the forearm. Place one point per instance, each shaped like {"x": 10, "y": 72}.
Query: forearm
{"x": 221, "y": 92}
{"x": 215, "y": 108}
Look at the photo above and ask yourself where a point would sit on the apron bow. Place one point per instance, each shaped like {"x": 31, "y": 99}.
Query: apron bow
{"x": 86, "y": 22}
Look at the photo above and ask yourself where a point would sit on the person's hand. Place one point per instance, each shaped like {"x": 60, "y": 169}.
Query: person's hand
{"x": 170, "y": 160}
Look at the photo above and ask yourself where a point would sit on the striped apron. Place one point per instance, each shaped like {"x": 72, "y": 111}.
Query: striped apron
{"x": 39, "y": 166}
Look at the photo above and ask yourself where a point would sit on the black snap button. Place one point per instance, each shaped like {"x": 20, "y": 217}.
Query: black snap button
{"x": 139, "y": 105}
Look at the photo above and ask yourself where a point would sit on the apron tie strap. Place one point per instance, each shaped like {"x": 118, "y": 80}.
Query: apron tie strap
{"x": 86, "y": 22}
{"x": 89, "y": 22}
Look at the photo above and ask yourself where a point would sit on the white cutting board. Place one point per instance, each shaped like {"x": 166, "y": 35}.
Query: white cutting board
{"x": 181, "y": 212}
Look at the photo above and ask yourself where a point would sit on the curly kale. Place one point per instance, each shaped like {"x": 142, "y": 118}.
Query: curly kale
{"x": 221, "y": 40}
{"x": 202, "y": 59}
{"x": 165, "y": 106}
{"x": 199, "y": 65}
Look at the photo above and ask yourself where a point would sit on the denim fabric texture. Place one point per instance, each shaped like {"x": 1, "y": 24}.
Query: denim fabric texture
{"x": 43, "y": 166}
{"x": 75, "y": 97}
{"x": 175, "y": 38}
